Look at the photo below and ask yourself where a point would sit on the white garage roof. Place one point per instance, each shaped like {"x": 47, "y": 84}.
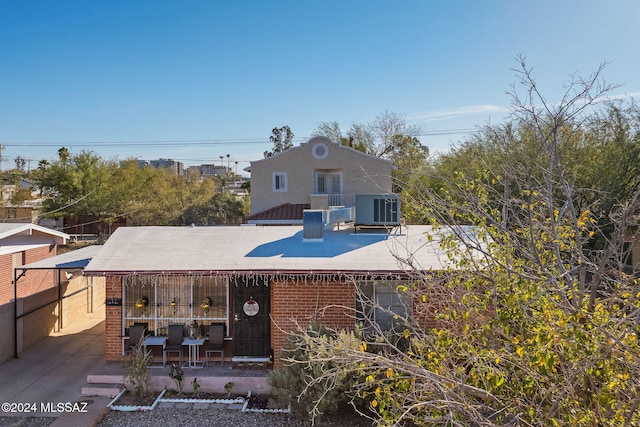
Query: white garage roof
{"x": 18, "y": 237}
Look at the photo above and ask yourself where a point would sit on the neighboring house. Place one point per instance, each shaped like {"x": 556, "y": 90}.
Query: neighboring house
{"x": 24, "y": 243}
{"x": 27, "y": 213}
{"x": 317, "y": 174}
{"x": 9, "y": 190}
{"x": 256, "y": 281}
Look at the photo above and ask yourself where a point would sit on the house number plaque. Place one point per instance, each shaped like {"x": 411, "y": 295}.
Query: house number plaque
{"x": 251, "y": 308}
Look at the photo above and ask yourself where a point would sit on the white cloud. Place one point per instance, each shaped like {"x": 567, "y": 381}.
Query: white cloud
{"x": 621, "y": 96}
{"x": 457, "y": 112}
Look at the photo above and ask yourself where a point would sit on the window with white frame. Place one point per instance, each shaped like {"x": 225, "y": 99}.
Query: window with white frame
{"x": 384, "y": 304}
{"x": 328, "y": 182}
{"x": 280, "y": 182}
{"x": 321, "y": 183}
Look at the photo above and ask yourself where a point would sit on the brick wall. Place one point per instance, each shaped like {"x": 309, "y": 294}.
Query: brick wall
{"x": 113, "y": 320}
{"x": 6, "y": 278}
{"x": 82, "y": 295}
{"x": 326, "y": 303}
{"x": 33, "y": 281}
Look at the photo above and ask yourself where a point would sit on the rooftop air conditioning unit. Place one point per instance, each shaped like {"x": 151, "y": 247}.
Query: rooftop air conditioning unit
{"x": 377, "y": 210}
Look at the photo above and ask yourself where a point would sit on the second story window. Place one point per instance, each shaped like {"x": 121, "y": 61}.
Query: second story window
{"x": 321, "y": 184}
{"x": 280, "y": 182}
{"x": 328, "y": 182}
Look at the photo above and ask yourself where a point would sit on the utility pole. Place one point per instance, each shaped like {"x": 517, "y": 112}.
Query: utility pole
{"x": 2, "y": 147}
{"x": 222, "y": 177}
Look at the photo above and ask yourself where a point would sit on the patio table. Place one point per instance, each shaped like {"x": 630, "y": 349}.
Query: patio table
{"x": 194, "y": 349}
{"x": 161, "y": 341}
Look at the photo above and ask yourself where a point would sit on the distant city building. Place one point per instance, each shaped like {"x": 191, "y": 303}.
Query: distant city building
{"x": 172, "y": 165}
{"x": 214, "y": 170}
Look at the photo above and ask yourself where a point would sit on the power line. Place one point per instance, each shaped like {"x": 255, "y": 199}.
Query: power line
{"x": 163, "y": 143}
{"x": 193, "y": 142}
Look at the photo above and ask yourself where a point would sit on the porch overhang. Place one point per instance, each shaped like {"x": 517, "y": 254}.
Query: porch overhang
{"x": 311, "y": 275}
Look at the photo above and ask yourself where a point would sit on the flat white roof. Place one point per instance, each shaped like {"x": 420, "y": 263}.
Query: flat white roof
{"x": 233, "y": 249}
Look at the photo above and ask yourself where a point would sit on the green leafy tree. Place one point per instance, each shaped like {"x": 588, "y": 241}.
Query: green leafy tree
{"x": 608, "y": 170}
{"x": 282, "y": 139}
{"x": 21, "y": 162}
{"x": 382, "y": 137}
{"x": 220, "y": 209}
{"x": 80, "y": 186}
{"x": 528, "y": 326}
{"x": 162, "y": 197}
{"x": 63, "y": 155}
{"x": 332, "y": 131}
{"x": 21, "y": 195}
{"x": 84, "y": 185}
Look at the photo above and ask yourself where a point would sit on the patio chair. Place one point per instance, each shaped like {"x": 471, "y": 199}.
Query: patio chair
{"x": 136, "y": 335}
{"x": 216, "y": 343}
{"x": 175, "y": 335}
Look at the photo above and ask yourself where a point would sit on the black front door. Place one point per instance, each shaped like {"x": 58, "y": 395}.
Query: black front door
{"x": 252, "y": 325}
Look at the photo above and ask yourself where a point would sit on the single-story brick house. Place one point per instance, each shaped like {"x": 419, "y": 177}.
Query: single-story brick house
{"x": 253, "y": 279}
{"x": 24, "y": 243}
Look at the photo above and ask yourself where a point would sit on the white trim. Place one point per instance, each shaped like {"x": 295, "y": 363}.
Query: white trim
{"x": 5, "y": 250}
{"x": 27, "y": 229}
{"x": 328, "y": 183}
{"x": 318, "y": 145}
{"x": 285, "y": 177}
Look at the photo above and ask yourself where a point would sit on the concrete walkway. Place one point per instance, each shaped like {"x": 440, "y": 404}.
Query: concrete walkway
{"x": 45, "y": 381}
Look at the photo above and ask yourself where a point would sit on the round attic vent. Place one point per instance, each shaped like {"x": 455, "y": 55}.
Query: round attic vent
{"x": 320, "y": 150}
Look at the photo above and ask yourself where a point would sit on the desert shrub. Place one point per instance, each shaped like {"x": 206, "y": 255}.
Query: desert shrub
{"x": 136, "y": 372}
{"x": 302, "y": 383}
{"x": 177, "y": 375}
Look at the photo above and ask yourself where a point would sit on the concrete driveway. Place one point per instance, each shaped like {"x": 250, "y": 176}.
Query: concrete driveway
{"x": 46, "y": 380}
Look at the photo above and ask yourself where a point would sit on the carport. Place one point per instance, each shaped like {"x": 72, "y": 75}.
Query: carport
{"x": 66, "y": 267}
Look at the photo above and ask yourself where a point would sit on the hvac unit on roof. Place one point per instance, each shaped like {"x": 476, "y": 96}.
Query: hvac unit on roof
{"x": 377, "y": 209}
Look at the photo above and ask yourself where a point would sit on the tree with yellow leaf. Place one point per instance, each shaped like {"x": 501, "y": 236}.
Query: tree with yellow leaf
{"x": 533, "y": 326}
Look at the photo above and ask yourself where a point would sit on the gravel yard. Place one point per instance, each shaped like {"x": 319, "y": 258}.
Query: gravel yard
{"x": 26, "y": 421}
{"x": 199, "y": 417}
{"x": 222, "y": 418}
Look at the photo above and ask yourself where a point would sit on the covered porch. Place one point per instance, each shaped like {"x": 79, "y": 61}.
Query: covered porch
{"x": 179, "y": 318}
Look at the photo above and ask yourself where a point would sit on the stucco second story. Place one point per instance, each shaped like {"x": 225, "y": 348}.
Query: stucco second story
{"x": 318, "y": 173}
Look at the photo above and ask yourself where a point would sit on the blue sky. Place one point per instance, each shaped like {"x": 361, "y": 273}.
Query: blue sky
{"x": 194, "y": 80}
